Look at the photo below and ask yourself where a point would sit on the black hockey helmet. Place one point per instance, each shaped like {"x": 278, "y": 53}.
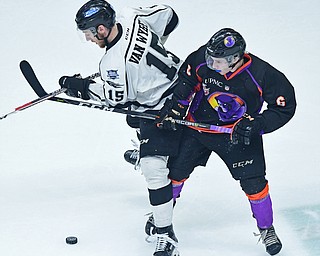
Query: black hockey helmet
{"x": 226, "y": 42}
{"x": 95, "y": 13}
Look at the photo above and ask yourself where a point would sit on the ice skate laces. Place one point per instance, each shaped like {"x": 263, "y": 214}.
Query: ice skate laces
{"x": 132, "y": 156}
{"x": 136, "y": 154}
{"x": 162, "y": 242}
{"x": 267, "y": 236}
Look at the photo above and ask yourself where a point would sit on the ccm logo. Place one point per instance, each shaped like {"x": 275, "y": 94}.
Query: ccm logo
{"x": 242, "y": 163}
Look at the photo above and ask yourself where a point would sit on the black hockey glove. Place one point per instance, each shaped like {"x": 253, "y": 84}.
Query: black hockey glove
{"x": 246, "y": 129}
{"x": 76, "y": 86}
{"x": 172, "y": 109}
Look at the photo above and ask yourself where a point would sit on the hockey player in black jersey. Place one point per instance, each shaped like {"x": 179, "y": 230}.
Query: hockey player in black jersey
{"x": 223, "y": 85}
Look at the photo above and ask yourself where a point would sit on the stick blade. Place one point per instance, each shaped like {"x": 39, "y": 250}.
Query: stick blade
{"x": 32, "y": 79}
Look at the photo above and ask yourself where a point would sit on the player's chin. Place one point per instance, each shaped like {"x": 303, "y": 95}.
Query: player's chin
{"x": 101, "y": 45}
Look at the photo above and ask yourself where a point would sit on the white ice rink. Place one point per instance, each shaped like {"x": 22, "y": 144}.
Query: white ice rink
{"x": 62, "y": 171}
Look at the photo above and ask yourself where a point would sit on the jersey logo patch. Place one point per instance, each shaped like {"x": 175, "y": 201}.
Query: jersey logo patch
{"x": 112, "y": 74}
{"x": 281, "y": 101}
{"x": 230, "y": 107}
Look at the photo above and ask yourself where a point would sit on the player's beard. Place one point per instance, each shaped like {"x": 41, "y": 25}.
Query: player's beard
{"x": 101, "y": 43}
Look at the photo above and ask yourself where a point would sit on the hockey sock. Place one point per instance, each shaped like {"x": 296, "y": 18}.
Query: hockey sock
{"x": 261, "y": 207}
{"x": 176, "y": 189}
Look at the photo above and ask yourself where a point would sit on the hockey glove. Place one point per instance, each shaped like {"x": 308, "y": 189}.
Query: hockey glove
{"x": 246, "y": 129}
{"x": 172, "y": 109}
{"x": 76, "y": 86}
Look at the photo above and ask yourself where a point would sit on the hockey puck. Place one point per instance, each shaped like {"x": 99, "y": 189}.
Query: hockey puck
{"x": 71, "y": 240}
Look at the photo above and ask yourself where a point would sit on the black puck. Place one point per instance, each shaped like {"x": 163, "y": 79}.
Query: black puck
{"x": 71, "y": 240}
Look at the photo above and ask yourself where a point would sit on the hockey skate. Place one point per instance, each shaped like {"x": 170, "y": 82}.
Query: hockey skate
{"x": 150, "y": 229}
{"x": 166, "y": 242}
{"x": 132, "y": 156}
{"x": 270, "y": 239}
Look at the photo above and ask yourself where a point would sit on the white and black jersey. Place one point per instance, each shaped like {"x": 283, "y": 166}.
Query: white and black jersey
{"x": 136, "y": 69}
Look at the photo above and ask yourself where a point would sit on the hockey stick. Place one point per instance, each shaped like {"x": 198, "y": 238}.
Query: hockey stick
{"x": 34, "y": 102}
{"x": 32, "y": 79}
{"x": 24, "y": 65}
{"x": 35, "y": 84}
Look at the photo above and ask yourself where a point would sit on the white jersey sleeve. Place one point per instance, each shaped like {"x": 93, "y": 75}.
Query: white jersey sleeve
{"x": 156, "y": 16}
{"x": 137, "y": 70}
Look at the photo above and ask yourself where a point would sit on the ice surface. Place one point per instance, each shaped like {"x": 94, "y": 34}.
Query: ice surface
{"x": 62, "y": 171}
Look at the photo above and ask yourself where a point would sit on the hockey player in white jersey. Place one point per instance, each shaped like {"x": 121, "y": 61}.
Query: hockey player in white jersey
{"x": 137, "y": 73}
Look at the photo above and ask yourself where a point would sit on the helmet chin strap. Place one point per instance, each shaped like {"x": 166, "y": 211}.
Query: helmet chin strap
{"x": 234, "y": 64}
{"x": 231, "y": 66}
{"x": 106, "y": 38}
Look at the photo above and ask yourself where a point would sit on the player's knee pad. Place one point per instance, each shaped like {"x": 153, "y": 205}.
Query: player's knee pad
{"x": 254, "y": 185}
{"x": 155, "y": 171}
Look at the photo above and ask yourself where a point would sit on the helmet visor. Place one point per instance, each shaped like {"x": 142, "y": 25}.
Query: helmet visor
{"x": 87, "y": 34}
{"x": 217, "y": 64}
{"x": 213, "y": 62}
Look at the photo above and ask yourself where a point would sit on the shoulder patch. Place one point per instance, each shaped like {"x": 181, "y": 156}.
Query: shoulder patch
{"x": 281, "y": 101}
{"x": 112, "y": 74}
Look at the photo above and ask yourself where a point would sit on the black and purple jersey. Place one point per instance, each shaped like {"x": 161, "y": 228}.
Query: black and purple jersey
{"x": 255, "y": 89}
